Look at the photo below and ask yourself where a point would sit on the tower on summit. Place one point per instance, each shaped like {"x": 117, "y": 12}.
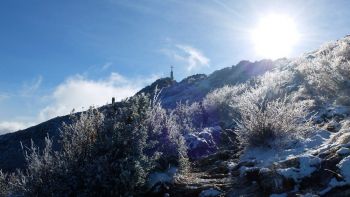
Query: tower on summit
{"x": 171, "y": 73}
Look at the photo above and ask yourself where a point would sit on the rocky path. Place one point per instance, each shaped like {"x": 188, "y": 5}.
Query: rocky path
{"x": 210, "y": 175}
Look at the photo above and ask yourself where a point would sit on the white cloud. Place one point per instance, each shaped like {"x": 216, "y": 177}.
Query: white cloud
{"x": 192, "y": 57}
{"x": 79, "y": 92}
{"x": 11, "y": 126}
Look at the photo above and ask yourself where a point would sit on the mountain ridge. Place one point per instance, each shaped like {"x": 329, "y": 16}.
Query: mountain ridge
{"x": 192, "y": 88}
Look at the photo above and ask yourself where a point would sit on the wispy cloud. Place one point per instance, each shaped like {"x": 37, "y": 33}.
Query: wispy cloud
{"x": 4, "y": 96}
{"x": 106, "y": 66}
{"x": 192, "y": 58}
{"x": 29, "y": 88}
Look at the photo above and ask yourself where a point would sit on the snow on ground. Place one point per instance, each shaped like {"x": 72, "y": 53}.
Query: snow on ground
{"x": 267, "y": 156}
{"x": 344, "y": 166}
{"x": 322, "y": 141}
{"x": 162, "y": 177}
{"x": 307, "y": 165}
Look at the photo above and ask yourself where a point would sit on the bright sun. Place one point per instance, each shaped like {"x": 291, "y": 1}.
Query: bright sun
{"x": 275, "y": 36}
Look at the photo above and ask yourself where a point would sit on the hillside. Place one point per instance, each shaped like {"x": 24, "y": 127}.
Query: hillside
{"x": 268, "y": 128}
{"x": 193, "y": 88}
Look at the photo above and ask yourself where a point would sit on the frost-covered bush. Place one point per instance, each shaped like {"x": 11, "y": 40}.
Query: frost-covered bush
{"x": 65, "y": 172}
{"x": 267, "y": 122}
{"x": 190, "y": 117}
{"x": 78, "y": 139}
{"x": 164, "y": 132}
{"x": 327, "y": 70}
{"x": 103, "y": 155}
{"x": 11, "y": 184}
{"x": 217, "y": 103}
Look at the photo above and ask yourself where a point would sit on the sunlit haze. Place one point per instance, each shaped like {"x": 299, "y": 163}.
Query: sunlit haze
{"x": 275, "y": 36}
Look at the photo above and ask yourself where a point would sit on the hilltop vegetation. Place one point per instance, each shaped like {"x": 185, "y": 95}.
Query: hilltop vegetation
{"x": 282, "y": 128}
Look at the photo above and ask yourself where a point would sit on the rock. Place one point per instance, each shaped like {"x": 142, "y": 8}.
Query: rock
{"x": 272, "y": 182}
{"x": 229, "y": 139}
{"x": 203, "y": 143}
{"x": 269, "y": 181}
{"x": 289, "y": 163}
{"x": 197, "y": 147}
{"x": 344, "y": 167}
{"x": 250, "y": 173}
{"x": 332, "y": 126}
{"x": 339, "y": 192}
{"x": 247, "y": 163}
{"x": 209, "y": 193}
{"x": 251, "y": 190}
{"x": 343, "y": 151}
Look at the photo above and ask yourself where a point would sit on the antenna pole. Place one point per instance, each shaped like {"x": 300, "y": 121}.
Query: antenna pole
{"x": 171, "y": 73}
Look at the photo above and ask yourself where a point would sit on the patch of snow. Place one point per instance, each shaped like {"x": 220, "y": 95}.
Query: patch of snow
{"x": 332, "y": 184}
{"x": 162, "y": 177}
{"x": 308, "y": 162}
{"x": 343, "y": 151}
{"x": 194, "y": 141}
{"x": 231, "y": 165}
{"x": 289, "y": 173}
{"x": 307, "y": 165}
{"x": 317, "y": 139}
{"x": 344, "y": 166}
{"x": 267, "y": 156}
{"x": 209, "y": 193}
{"x": 263, "y": 156}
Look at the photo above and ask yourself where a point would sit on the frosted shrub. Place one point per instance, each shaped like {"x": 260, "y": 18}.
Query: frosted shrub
{"x": 328, "y": 71}
{"x": 217, "y": 103}
{"x": 102, "y": 155}
{"x": 11, "y": 184}
{"x": 63, "y": 173}
{"x": 43, "y": 167}
{"x": 265, "y": 122}
{"x": 165, "y": 131}
{"x": 190, "y": 117}
{"x": 321, "y": 75}
{"x": 78, "y": 139}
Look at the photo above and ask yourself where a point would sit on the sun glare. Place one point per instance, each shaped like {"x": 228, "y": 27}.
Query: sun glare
{"x": 275, "y": 36}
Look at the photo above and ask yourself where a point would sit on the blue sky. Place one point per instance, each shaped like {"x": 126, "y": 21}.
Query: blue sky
{"x": 59, "y": 55}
